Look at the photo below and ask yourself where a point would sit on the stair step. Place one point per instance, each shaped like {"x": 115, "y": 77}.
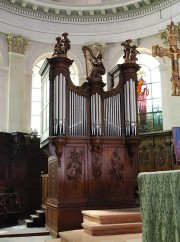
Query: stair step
{"x": 28, "y": 223}
{"x": 34, "y": 217}
{"x": 96, "y": 229}
{"x": 34, "y": 222}
{"x": 112, "y": 216}
{"x": 80, "y": 236}
{"x": 40, "y": 213}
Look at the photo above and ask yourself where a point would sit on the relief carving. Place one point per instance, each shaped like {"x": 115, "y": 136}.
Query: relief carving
{"x": 117, "y": 168}
{"x": 52, "y": 178}
{"x": 59, "y": 144}
{"x": 74, "y": 167}
{"x": 144, "y": 156}
{"x": 160, "y": 155}
{"x": 17, "y": 44}
{"x": 97, "y": 161}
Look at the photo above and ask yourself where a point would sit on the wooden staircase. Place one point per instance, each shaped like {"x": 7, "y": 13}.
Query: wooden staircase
{"x": 36, "y": 220}
{"x": 107, "y": 226}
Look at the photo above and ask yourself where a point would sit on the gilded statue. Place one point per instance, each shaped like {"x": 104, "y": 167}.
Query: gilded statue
{"x": 173, "y": 52}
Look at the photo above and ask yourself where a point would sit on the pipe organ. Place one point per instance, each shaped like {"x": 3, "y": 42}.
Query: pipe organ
{"x": 92, "y": 138}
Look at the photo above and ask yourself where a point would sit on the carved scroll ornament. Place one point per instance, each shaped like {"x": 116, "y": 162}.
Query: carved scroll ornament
{"x": 96, "y": 150}
{"x": 59, "y": 144}
{"x": 74, "y": 167}
{"x": 117, "y": 170}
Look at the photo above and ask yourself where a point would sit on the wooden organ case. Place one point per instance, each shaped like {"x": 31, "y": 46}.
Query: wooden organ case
{"x": 93, "y": 138}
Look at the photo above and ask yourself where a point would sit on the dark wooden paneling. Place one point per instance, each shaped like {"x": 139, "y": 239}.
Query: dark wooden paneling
{"x": 21, "y": 163}
{"x": 156, "y": 152}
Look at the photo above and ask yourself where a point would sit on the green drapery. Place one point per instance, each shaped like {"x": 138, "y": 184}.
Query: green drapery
{"x": 160, "y": 206}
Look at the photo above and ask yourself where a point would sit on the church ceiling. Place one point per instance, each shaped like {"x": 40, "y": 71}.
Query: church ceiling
{"x": 84, "y": 10}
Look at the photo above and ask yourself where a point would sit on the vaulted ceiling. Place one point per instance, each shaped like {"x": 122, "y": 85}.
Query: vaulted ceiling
{"x": 86, "y": 9}
{"x": 87, "y": 20}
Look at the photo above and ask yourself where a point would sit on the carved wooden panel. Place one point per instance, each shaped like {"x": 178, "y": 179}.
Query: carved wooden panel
{"x": 146, "y": 156}
{"x": 115, "y": 172}
{"x": 52, "y": 178}
{"x": 52, "y": 219}
{"x": 155, "y": 153}
{"x": 162, "y": 147}
{"x": 21, "y": 163}
{"x": 73, "y": 167}
{"x": 70, "y": 218}
{"x": 95, "y": 172}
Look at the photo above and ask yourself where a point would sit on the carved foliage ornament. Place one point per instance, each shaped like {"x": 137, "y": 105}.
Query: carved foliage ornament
{"x": 74, "y": 167}
{"x": 97, "y": 161}
{"x": 17, "y": 44}
{"x": 144, "y": 154}
{"x": 59, "y": 145}
{"x": 117, "y": 170}
{"x": 160, "y": 155}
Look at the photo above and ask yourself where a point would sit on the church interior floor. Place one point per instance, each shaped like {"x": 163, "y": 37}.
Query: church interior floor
{"x": 20, "y": 233}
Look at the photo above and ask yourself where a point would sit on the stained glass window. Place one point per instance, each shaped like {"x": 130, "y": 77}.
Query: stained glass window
{"x": 149, "y": 95}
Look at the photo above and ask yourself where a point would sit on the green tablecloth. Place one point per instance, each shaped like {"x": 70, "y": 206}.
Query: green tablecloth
{"x": 160, "y": 206}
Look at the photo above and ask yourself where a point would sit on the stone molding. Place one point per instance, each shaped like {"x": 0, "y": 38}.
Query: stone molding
{"x": 86, "y": 14}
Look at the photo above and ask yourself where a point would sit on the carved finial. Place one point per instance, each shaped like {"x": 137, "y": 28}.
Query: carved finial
{"x": 62, "y": 45}
{"x": 130, "y": 52}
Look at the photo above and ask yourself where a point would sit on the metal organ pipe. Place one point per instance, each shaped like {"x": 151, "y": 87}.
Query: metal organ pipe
{"x": 112, "y": 114}
{"x": 64, "y": 103}
{"x": 130, "y": 108}
{"x": 59, "y": 117}
{"x": 70, "y": 113}
{"x": 77, "y": 115}
{"x": 55, "y": 102}
{"x": 133, "y": 108}
{"x": 96, "y": 120}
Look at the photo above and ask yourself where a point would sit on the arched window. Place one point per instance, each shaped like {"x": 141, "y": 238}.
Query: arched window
{"x": 149, "y": 95}
{"x": 37, "y": 105}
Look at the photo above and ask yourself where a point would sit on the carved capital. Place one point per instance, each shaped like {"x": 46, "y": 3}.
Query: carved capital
{"x": 59, "y": 144}
{"x": 132, "y": 148}
{"x": 17, "y": 44}
{"x": 96, "y": 144}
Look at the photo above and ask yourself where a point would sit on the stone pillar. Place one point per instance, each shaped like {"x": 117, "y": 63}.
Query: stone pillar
{"x": 18, "y": 84}
{"x": 4, "y": 99}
